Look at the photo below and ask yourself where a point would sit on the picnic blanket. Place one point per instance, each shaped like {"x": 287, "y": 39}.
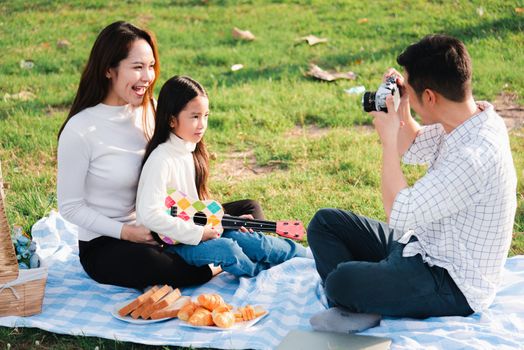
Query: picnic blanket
{"x": 76, "y": 305}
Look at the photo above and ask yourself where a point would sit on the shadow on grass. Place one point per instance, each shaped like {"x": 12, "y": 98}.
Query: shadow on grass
{"x": 494, "y": 28}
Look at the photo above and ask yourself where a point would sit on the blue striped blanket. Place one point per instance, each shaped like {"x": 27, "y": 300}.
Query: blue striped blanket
{"x": 76, "y": 305}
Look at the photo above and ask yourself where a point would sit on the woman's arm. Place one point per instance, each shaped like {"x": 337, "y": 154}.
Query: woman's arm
{"x": 73, "y": 164}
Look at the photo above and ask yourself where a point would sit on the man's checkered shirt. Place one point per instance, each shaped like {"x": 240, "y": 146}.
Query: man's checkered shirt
{"x": 462, "y": 210}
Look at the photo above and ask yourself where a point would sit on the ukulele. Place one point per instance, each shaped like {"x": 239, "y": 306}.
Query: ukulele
{"x": 210, "y": 212}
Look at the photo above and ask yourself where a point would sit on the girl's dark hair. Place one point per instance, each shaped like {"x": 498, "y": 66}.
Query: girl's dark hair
{"x": 111, "y": 46}
{"x": 173, "y": 98}
{"x": 440, "y": 63}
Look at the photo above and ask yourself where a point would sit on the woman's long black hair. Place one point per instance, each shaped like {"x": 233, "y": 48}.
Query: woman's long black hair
{"x": 173, "y": 98}
{"x": 111, "y": 46}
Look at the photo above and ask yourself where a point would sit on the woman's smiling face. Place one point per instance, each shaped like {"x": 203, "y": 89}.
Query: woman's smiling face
{"x": 131, "y": 79}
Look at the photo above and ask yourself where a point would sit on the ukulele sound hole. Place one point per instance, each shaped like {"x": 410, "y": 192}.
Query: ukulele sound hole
{"x": 200, "y": 218}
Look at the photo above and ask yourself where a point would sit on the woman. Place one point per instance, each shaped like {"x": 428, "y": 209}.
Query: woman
{"x": 100, "y": 149}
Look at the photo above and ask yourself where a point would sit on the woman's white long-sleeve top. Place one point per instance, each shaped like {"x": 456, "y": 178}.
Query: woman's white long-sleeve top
{"x": 100, "y": 152}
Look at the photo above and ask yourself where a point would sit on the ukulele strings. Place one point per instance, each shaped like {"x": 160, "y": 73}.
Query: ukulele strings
{"x": 237, "y": 222}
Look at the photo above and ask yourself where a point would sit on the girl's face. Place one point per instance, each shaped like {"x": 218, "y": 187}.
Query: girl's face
{"x": 131, "y": 79}
{"x": 191, "y": 123}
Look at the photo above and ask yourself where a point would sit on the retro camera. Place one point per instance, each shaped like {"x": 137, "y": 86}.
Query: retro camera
{"x": 376, "y": 100}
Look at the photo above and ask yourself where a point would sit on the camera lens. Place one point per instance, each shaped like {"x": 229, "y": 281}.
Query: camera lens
{"x": 368, "y": 101}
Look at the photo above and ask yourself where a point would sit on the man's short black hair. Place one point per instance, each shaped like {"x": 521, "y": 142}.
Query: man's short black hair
{"x": 440, "y": 63}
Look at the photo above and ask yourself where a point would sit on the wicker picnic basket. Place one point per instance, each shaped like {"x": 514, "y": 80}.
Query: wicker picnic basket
{"x": 21, "y": 291}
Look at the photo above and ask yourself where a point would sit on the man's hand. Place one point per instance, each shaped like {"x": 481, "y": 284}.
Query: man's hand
{"x": 409, "y": 128}
{"x": 137, "y": 234}
{"x": 387, "y": 124}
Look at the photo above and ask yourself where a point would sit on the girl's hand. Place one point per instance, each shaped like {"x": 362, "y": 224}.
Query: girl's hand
{"x": 137, "y": 234}
{"x": 211, "y": 232}
{"x": 246, "y": 216}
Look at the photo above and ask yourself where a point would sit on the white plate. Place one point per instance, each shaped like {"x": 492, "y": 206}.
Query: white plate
{"x": 130, "y": 319}
{"x": 236, "y": 326}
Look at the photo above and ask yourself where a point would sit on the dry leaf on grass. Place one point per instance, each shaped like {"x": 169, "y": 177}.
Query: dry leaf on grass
{"x": 21, "y": 96}
{"x": 242, "y": 34}
{"x": 480, "y": 11}
{"x": 27, "y": 64}
{"x": 313, "y": 40}
{"x": 317, "y": 72}
{"x": 362, "y": 20}
{"x": 63, "y": 44}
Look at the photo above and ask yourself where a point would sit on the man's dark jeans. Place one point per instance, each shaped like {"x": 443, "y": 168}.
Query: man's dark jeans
{"x": 363, "y": 270}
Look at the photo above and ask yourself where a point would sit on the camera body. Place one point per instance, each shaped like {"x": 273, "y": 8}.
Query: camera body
{"x": 376, "y": 100}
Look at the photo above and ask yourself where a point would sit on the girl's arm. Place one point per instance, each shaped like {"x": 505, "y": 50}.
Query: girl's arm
{"x": 150, "y": 209}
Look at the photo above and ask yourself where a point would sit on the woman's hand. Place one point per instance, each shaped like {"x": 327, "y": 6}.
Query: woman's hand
{"x": 246, "y": 216}
{"x": 211, "y": 232}
{"x": 137, "y": 234}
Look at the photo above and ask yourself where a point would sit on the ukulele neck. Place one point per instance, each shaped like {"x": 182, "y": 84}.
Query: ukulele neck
{"x": 234, "y": 222}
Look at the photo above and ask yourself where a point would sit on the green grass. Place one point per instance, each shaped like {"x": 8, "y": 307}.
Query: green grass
{"x": 254, "y": 108}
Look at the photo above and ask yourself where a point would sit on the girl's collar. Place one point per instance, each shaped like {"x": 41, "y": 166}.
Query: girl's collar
{"x": 180, "y": 143}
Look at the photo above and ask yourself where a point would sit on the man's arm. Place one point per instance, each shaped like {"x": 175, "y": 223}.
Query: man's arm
{"x": 408, "y": 132}
{"x": 392, "y": 178}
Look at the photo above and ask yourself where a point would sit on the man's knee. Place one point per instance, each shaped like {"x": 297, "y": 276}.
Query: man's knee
{"x": 326, "y": 218}
{"x": 320, "y": 218}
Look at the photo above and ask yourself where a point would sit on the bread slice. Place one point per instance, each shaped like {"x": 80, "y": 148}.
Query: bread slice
{"x": 162, "y": 303}
{"x": 153, "y": 298}
{"x": 172, "y": 309}
{"x": 135, "y": 303}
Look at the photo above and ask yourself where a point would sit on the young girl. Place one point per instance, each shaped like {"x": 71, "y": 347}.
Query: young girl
{"x": 176, "y": 158}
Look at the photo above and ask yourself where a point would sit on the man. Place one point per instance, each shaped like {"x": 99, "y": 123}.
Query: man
{"x": 447, "y": 237}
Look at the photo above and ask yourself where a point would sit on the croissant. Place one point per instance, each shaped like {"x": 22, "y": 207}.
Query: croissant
{"x": 201, "y": 317}
{"x": 211, "y": 301}
{"x": 186, "y": 311}
{"x": 223, "y": 317}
